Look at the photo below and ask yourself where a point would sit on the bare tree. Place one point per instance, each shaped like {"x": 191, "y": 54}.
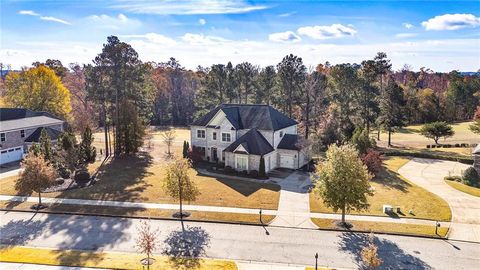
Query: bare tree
{"x": 146, "y": 241}
{"x": 370, "y": 254}
{"x": 36, "y": 176}
{"x": 168, "y": 137}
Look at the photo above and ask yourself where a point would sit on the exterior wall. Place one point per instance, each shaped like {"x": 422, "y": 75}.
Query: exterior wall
{"x": 476, "y": 162}
{"x": 14, "y": 139}
{"x": 208, "y": 141}
{"x": 293, "y": 153}
{"x": 253, "y": 160}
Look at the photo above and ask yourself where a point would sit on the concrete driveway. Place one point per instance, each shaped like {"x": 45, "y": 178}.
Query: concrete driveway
{"x": 429, "y": 174}
{"x": 294, "y": 205}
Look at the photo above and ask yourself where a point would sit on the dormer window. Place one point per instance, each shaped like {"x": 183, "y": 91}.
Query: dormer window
{"x": 281, "y": 134}
{"x": 214, "y": 136}
{"x": 201, "y": 133}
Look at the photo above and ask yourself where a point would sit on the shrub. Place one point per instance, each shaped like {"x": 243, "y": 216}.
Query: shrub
{"x": 82, "y": 176}
{"x": 245, "y": 172}
{"x": 453, "y": 178}
{"x": 254, "y": 174}
{"x": 470, "y": 177}
{"x": 362, "y": 141}
{"x": 436, "y": 130}
{"x": 195, "y": 155}
{"x": 372, "y": 159}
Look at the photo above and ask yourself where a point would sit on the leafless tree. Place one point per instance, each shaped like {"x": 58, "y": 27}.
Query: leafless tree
{"x": 146, "y": 242}
{"x": 168, "y": 137}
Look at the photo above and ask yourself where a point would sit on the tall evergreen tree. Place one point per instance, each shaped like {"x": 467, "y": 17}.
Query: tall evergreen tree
{"x": 291, "y": 76}
{"x": 392, "y": 116}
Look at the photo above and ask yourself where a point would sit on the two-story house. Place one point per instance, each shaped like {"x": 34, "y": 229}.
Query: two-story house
{"x": 19, "y": 128}
{"x": 240, "y": 134}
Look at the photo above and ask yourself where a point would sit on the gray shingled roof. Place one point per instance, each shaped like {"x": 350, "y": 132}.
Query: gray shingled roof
{"x": 290, "y": 142}
{"x": 14, "y": 119}
{"x": 248, "y": 116}
{"x": 253, "y": 141}
{"x": 53, "y": 134}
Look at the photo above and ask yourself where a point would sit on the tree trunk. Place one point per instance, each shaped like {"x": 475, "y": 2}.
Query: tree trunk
{"x": 343, "y": 215}
{"x": 378, "y": 134}
{"x": 106, "y": 131}
{"x": 436, "y": 140}
{"x": 389, "y": 138}
{"x": 39, "y": 199}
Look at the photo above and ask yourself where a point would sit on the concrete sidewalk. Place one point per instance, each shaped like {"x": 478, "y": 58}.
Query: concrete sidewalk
{"x": 290, "y": 217}
{"x": 27, "y": 266}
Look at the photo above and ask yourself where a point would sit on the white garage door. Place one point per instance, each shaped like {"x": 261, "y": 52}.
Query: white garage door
{"x": 10, "y": 155}
{"x": 286, "y": 161}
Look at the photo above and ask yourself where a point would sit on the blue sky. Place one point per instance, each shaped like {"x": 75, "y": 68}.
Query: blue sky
{"x": 441, "y": 35}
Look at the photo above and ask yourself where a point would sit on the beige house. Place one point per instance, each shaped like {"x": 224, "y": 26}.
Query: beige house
{"x": 240, "y": 134}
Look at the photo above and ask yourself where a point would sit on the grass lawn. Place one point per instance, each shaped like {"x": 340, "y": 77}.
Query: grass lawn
{"x": 410, "y": 137}
{"x": 391, "y": 188}
{"x": 140, "y": 212}
{"x": 464, "y": 188}
{"x": 140, "y": 179}
{"x": 384, "y": 227}
{"x": 106, "y": 260}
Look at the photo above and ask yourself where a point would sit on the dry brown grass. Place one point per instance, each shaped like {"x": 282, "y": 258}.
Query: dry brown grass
{"x": 383, "y": 227}
{"x": 393, "y": 189}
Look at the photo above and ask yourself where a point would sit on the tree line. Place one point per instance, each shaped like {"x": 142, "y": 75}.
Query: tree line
{"x": 122, "y": 94}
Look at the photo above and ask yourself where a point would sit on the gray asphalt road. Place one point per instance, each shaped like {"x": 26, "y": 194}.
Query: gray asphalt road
{"x": 270, "y": 244}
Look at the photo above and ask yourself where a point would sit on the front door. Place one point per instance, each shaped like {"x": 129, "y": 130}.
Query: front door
{"x": 214, "y": 154}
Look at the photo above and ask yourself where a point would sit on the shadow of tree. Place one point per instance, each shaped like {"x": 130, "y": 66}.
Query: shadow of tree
{"x": 392, "y": 255}
{"x": 185, "y": 247}
{"x": 244, "y": 187}
{"x": 19, "y": 232}
{"x": 391, "y": 179}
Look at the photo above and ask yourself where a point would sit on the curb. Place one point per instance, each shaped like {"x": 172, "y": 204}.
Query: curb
{"x": 227, "y": 222}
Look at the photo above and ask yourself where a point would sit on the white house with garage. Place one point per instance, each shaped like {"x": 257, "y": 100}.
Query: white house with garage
{"x": 238, "y": 135}
{"x": 20, "y": 128}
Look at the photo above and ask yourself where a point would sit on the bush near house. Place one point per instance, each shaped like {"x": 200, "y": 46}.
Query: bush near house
{"x": 373, "y": 160}
{"x": 470, "y": 177}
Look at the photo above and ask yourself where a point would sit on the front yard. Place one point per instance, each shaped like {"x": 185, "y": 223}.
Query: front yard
{"x": 140, "y": 179}
{"x": 392, "y": 189}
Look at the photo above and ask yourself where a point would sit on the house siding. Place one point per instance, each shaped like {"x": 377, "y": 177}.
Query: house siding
{"x": 14, "y": 138}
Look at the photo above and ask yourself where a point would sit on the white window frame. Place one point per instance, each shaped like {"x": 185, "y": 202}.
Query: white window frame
{"x": 229, "y": 134}
{"x": 204, "y": 134}
{"x": 3, "y": 137}
{"x": 214, "y": 135}
{"x": 237, "y": 158}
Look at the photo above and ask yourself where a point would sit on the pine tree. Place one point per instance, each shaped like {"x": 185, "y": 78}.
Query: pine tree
{"x": 45, "y": 145}
{"x": 261, "y": 169}
{"x": 87, "y": 151}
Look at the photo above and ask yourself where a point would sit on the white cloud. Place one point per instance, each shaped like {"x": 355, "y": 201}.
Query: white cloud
{"x": 406, "y": 35}
{"x": 451, "y": 22}
{"x": 202, "y": 21}
{"x": 154, "y": 38}
{"x": 287, "y": 36}
{"x": 288, "y": 14}
{"x": 327, "y": 31}
{"x": 200, "y": 39}
{"x": 44, "y": 18}
{"x": 54, "y": 19}
{"x": 407, "y": 25}
{"x": 186, "y": 7}
{"x": 28, "y": 12}
{"x": 111, "y": 22}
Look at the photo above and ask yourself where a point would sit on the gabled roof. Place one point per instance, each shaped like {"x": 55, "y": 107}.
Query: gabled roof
{"x": 289, "y": 142}
{"x": 253, "y": 142}
{"x": 14, "y": 119}
{"x": 248, "y": 116}
{"x": 35, "y": 136}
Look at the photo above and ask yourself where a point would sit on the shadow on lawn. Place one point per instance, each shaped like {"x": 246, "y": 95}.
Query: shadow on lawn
{"x": 392, "y": 255}
{"x": 121, "y": 179}
{"x": 244, "y": 187}
{"x": 391, "y": 179}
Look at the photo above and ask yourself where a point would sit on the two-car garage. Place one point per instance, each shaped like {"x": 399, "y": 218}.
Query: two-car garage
{"x": 287, "y": 161}
{"x": 11, "y": 155}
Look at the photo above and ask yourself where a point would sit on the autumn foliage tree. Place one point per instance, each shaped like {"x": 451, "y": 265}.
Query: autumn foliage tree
{"x": 38, "y": 89}
{"x": 36, "y": 176}
{"x": 343, "y": 180}
{"x": 146, "y": 241}
{"x": 178, "y": 183}
{"x": 369, "y": 254}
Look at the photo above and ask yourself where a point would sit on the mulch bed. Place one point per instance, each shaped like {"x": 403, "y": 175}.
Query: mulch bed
{"x": 69, "y": 184}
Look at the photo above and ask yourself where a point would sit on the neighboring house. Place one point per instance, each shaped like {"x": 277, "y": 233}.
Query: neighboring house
{"x": 476, "y": 158}
{"x": 238, "y": 135}
{"x": 19, "y": 128}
